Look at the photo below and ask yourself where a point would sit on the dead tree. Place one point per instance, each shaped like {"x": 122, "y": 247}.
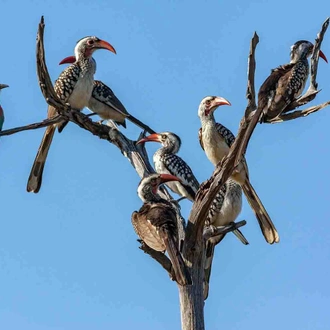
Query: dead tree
{"x": 192, "y": 235}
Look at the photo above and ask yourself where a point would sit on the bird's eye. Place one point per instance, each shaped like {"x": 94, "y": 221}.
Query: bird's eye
{"x": 90, "y": 42}
{"x": 164, "y": 136}
{"x": 208, "y": 102}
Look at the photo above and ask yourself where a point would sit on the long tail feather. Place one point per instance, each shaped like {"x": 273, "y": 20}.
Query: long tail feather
{"x": 266, "y": 225}
{"x": 35, "y": 178}
{"x": 209, "y": 254}
{"x": 181, "y": 273}
{"x": 140, "y": 124}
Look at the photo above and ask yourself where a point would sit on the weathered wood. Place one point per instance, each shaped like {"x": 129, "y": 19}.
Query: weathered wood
{"x": 192, "y": 236}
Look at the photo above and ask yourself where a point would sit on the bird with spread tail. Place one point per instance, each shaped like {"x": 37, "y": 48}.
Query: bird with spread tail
{"x": 74, "y": 86}
{"x": 167, "y": 161}
{"x": 156, "y": 223}
{"x": 2, "y": 115}
{"x": 105, "y": 103}
{"x": 216, "y": 140}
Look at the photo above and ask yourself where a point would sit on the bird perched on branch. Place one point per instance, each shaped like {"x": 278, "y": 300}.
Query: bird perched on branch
{"x": 216, "y": 140}
{"x": 156, "y": 223}
{"x": 105, "y": 103}
{"x": 284, "y": 85}
{"x": 286, "y": 82}
{"x": 2, "y": 116}
{"x": 224, "y": 210}
{"x": 167, "y": 162}
{"x": 74, "y": 86}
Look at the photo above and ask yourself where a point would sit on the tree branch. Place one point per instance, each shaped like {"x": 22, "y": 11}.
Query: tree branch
{"x": 160, "y": 257}
{"x": 136, "y": 154}
{"x": 212, "y": 231}
{"x": 298, "y": 113}
{"x": 44, "y": 123}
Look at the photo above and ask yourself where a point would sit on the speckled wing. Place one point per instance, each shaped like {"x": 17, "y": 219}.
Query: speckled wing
{"x": 105, "y": 95}
{"x": 179, "y": 168}
{"x": 273, "y": 87}
{"x": 66, "y": 82}
{"x": 228, "y": 136}
{"x": 216, "y": 205}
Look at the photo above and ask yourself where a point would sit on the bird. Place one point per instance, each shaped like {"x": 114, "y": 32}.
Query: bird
{"x": 286, "y": 82}
{"x": 2, "y": 116}
{"x": 156, "y": 223}
{"x": 105, "y": 103}
{"x": 167, "y": 162}
{"x": 223, "y": 211}
{"x": 73, "y": 86}
{"x": 216, "y": 140}
{"x": 284, "y": 85}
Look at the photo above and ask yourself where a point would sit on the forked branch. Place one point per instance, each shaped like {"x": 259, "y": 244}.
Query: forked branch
{"x": 135, "y": 154}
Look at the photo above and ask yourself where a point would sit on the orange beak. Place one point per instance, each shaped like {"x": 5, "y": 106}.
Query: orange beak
{"x": 151, "y": 138}
{"x": 220, "y": 101}
{"x": 105, "y": 45}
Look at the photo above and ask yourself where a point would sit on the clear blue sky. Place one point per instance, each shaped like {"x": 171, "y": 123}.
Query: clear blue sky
{"x": 68, "y": 255}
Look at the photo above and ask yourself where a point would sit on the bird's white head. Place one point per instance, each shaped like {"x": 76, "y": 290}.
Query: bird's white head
{"x": 167, "y": 139}
{"x": 303, "y": 49}
{"x": 209, "y": 104}
{"x": 148, "y": 186}
{"x": 85, "y": 47}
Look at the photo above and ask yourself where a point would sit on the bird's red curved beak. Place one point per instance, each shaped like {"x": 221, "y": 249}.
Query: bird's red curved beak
{"x": 321, "y": 54}
{"x": 151, "y": 138}
{"x": 220, "y": 101}
{"x": 168, "y": 177}
{"x": 105, "y": 45}
{"x": 68, "y": 60}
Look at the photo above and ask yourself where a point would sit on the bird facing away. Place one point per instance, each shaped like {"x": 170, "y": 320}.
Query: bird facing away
{"x": 2, "y": 116}
{"x": 284, "y": 85}
{"x": 73, "y": 86}
{"x": 224, "y": 210}
{"x": 216, "y": 140}
{"x": 286, "y": 82}
{"x": 167, "y": 162}
{"x": 156, "y": 223}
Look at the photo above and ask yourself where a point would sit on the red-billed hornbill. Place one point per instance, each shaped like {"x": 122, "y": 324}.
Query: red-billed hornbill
{"x": 284, "y": 85}
{"x": 216, "y": 140}
{"x": 73, "y": 86}
{"x": 105, "y": 103}
{"x": 156, "y": 223}
{"x": 287, "y": 82}
{"x": 167, "y": 162}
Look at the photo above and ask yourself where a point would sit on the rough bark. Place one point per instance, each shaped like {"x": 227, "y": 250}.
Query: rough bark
{"x": 194, "y": 235}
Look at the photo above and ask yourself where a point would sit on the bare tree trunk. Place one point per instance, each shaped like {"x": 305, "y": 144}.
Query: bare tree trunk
{"x": 193, "y": 235}
{"x": 191, "y": 298}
